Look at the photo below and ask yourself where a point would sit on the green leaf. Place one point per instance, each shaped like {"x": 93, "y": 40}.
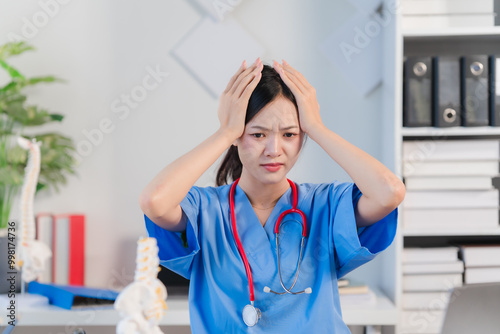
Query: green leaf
{"x": 17, "y": 155}
{"x": 16, "y": 111}
{"x": 14, "y": 48}
{"x": 12, "y": 71}
{"x": 57, "y": 117}
{"x": 28, "y": 116}
{"x": 40, "y": 186}
{"x": 13, "y": 98}
{"x": 46, "y": 79}
{"x": 12, "y": 86}
{"x": 18, "y": 84}
{"x": 57, "y": 151}
{"x": 12, "y": 106}
{"x": 11, "y": 175}
{"x": 57, "y": 159}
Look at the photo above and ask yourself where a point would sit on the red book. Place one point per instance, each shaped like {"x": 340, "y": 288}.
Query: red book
{"x": 69, "y": 249}
{"x": 76, "y": 250}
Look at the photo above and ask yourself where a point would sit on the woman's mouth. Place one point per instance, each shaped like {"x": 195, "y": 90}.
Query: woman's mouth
{"x": 274, "y": 167}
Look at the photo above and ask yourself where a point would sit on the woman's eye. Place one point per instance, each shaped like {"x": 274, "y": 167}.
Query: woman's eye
{"x": 289, "y": 135}
{"x": 257, "y": 135}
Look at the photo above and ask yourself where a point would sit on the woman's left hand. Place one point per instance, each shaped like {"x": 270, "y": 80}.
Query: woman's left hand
{"x": 304, "y": 93}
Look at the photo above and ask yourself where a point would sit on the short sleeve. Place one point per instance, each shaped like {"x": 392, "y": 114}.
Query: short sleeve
{"x": 172, "y": 252}
{"x": 356, "y": 246}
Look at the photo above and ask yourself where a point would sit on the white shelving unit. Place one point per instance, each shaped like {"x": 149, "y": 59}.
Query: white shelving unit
{"x": 458, "y": 41}
{"x": 437, "y": 133}
{"x": 481, "y": 32}
{"x": 460, "y": 232}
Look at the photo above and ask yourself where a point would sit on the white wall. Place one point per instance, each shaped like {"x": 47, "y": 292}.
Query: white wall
{"x": 103, "y": 50}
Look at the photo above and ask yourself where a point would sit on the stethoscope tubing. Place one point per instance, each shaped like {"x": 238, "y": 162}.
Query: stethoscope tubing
{"x": 296, "y": 272}
{"x": 276, "y": 231}
{"x": 238, "y": 242}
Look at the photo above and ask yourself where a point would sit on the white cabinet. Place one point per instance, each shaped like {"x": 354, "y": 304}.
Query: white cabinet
{"x": 425, "y": 42}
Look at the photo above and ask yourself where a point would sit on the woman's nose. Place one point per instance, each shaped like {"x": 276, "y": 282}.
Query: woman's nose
{"x": 273, "y": 146}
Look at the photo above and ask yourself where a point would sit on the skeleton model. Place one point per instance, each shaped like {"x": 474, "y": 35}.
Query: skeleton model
{"x": 142, "y": 303}
{"x": 31, "y": 253}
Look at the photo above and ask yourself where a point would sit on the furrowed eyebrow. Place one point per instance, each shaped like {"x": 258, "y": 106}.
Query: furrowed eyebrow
{"x": 266, "y": 129}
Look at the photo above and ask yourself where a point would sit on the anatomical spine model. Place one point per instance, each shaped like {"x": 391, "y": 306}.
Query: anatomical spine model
{"x": 142, "y": 303}
{"x": 32, "y": 254}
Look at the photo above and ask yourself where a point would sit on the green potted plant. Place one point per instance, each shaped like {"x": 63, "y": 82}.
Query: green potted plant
{"x": 16, "y": 117}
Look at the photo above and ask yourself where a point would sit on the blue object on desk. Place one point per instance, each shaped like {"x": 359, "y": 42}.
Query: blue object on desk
{"x": 67, "y": 296}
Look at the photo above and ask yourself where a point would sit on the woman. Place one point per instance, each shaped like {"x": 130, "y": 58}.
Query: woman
{"x": 265, "y": 113}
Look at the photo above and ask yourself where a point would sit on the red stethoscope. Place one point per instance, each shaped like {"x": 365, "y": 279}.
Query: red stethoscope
{"x": 251, "y": 314}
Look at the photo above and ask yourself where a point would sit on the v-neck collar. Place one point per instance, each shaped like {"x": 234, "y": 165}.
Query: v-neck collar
{"x": 254, "y": 237}
{"x": 283, "y": 203}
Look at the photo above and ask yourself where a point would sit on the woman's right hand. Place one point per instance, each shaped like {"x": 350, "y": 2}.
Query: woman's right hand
{"x": 233, "y": 102}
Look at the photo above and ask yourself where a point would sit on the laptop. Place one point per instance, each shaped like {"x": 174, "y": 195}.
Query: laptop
{"x": 473, "y": 308}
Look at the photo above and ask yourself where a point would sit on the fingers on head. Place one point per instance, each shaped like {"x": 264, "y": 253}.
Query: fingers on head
{"x": 292, "y": 78}
{"x": 245, "y": 77}
{"x": 284, "y": 75}
{"x": 277, "y": 66}
{"x": 296, "y": 74}
{"x": 249, "y": 81}
{"x": 251, "y": 86}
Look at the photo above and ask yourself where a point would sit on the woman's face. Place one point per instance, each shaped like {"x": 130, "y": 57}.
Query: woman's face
{"x": 271, "y": 143}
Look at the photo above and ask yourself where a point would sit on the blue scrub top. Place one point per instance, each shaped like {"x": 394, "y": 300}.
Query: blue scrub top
{"x": 219, "y": 290}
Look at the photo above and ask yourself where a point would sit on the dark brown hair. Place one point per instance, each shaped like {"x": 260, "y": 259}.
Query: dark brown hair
{"x": 267, "y": 90}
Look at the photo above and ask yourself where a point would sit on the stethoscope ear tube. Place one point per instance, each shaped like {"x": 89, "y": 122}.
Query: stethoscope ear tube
{"x": 288, "y": 290}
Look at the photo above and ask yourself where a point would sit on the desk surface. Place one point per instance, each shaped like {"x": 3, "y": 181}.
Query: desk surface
{"x": 383, "y": 312}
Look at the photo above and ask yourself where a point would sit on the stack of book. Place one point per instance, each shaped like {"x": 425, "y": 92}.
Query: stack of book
{"x": 355, "y": 293}
{"x": 482, "y": 263}
{"x": 418, "y": 14}
{"x": 65, "y": 236}
{"x": 449, "y": 184}
{"x": 428, "y": 276}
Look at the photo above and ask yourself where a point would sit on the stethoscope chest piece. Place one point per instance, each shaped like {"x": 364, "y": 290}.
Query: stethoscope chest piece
{"x": 251, "y": 315}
